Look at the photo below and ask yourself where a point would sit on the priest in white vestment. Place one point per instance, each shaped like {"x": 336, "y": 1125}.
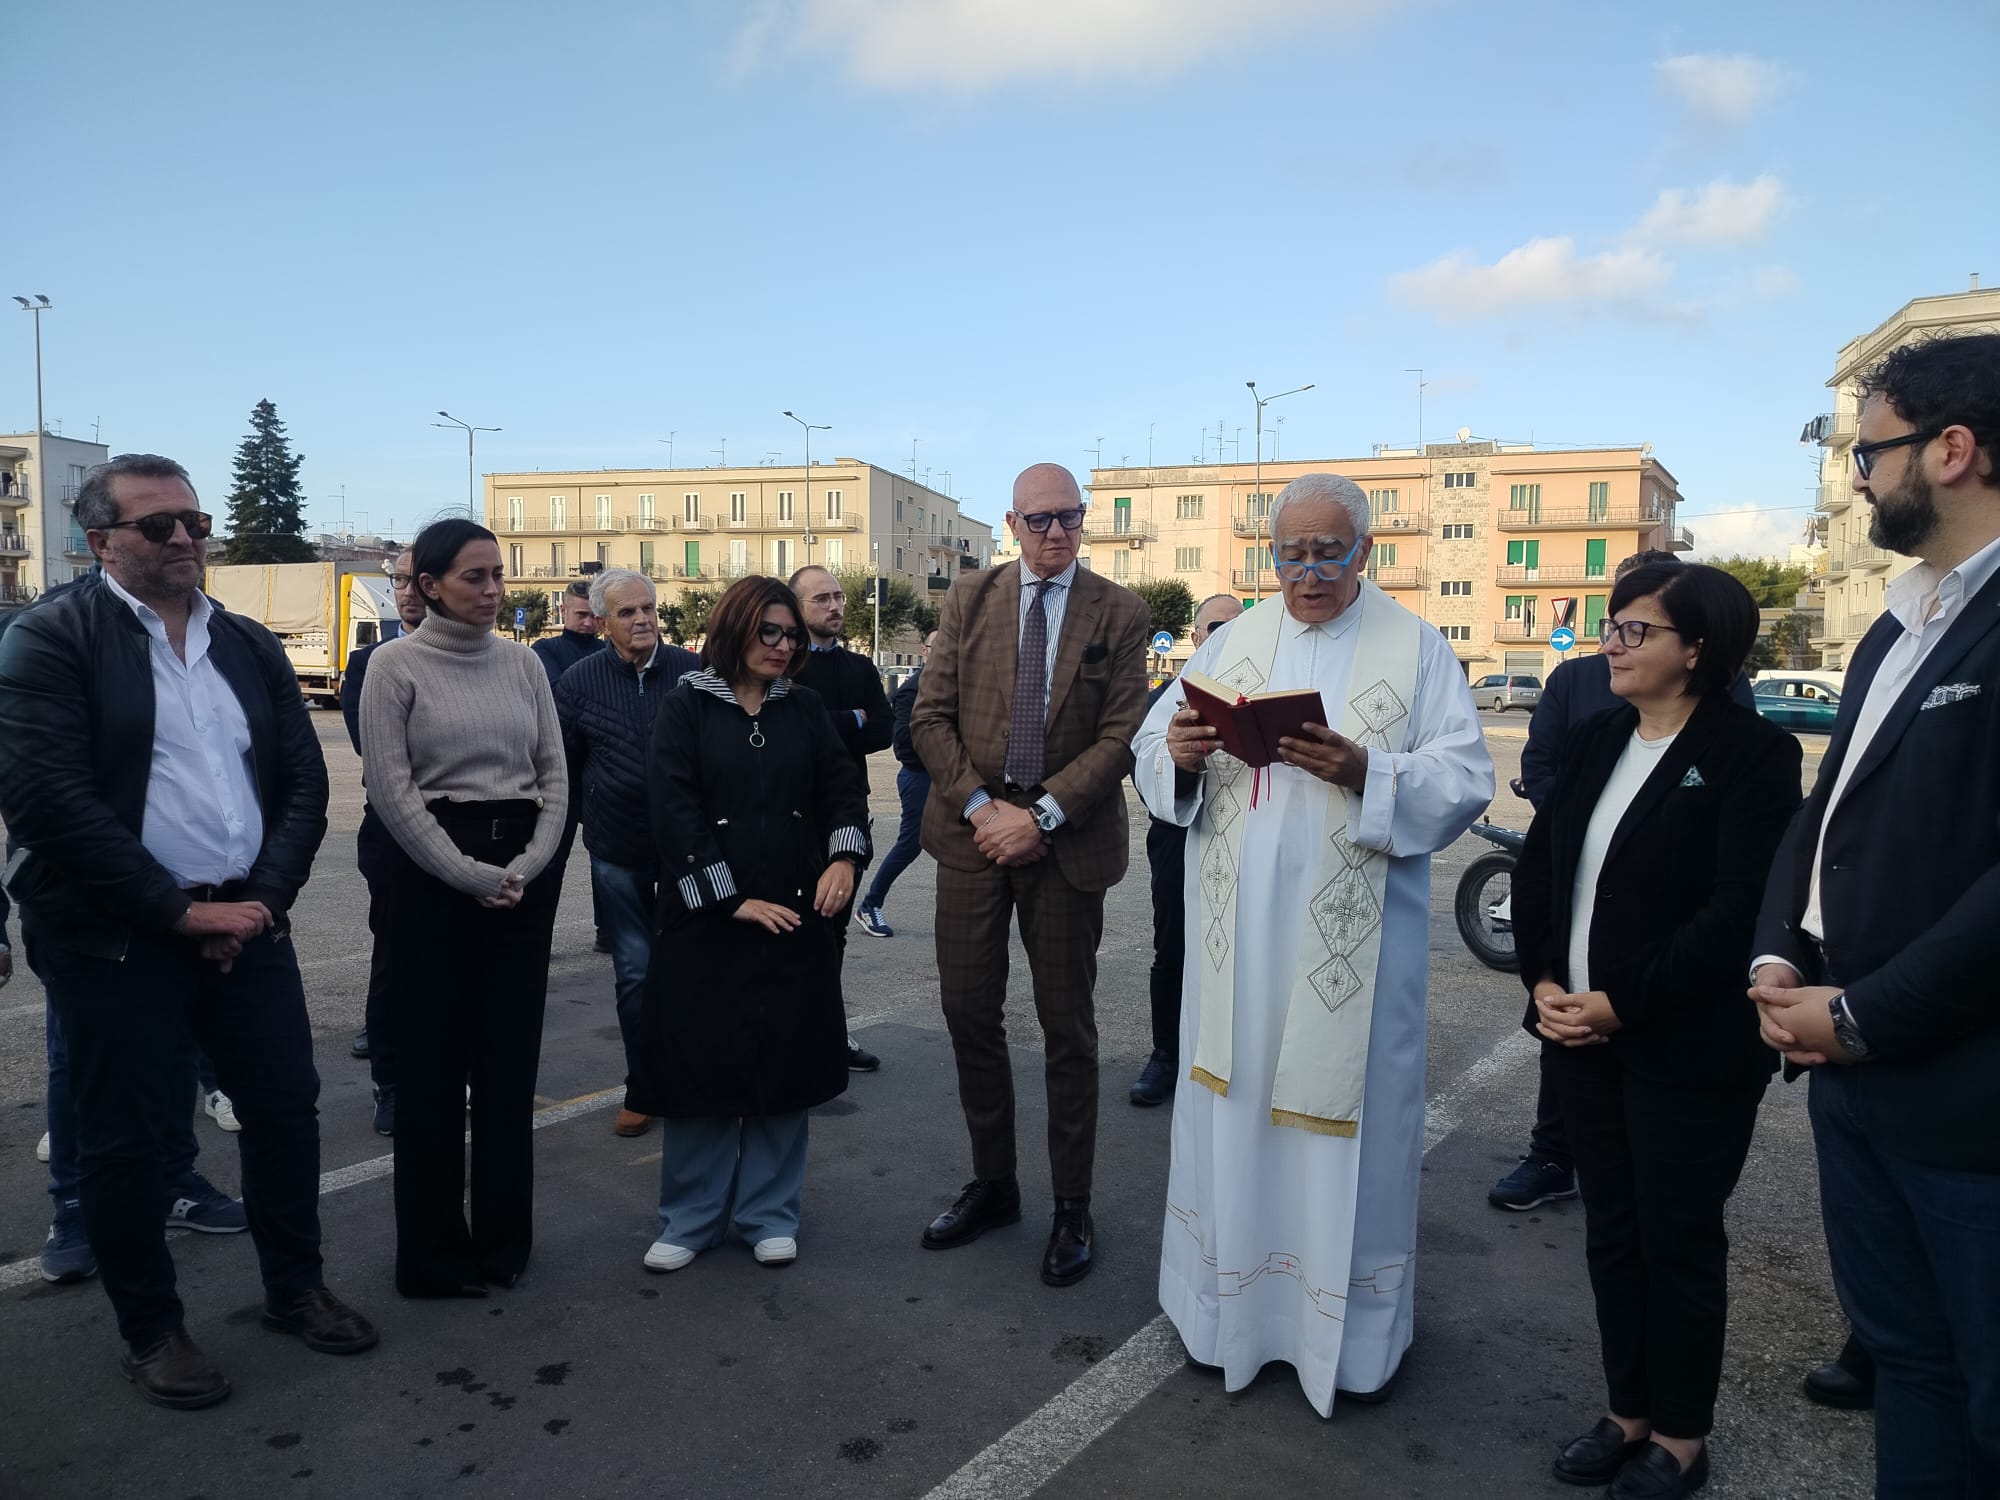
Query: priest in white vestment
{"x": 1291, "y": 1220}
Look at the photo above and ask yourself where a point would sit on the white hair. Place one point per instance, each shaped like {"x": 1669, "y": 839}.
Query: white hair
{"x": 1337, "y": 488}
{"x": 615, "y": 578}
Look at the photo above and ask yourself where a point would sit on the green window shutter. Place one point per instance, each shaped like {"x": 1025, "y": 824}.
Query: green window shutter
{"x": 1514, "y": 554}
{"x": 693, "y": 558}
{"x": 1593, "y": 613}
{"x": 1534, "y": 551}
{"x": 1593, "y": 557}
{"x": 645, "y": 555}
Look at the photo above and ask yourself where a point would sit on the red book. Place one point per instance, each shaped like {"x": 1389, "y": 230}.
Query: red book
{"x": 1251, "y": 724}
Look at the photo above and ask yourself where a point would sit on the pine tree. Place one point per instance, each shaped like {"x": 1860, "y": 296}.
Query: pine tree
{"x": 266, "y": 510}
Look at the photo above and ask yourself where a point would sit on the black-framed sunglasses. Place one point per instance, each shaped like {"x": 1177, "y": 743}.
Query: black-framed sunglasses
{"x": 401, "y": 580}
{"x": 159, "y": 527}
{"x": 770, "y": 633}
{"x": 1632, "y": 633}
{"x": 1038, "y": 521}
{"x": 1864, "y": 453}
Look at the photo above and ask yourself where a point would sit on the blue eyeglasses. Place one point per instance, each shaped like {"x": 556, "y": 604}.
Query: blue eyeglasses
{"x": 1292, "y": 571}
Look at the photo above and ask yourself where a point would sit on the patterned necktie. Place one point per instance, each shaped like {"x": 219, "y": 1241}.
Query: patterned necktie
{"x": 1027, "y": 728}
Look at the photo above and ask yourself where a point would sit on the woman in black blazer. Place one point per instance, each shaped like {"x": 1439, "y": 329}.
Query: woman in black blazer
{"x": 1634, "y": 904}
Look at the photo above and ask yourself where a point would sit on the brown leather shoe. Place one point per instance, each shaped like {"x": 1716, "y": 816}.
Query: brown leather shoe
{"x": 172, "y": 1372}
{"x": 327, "y": 1324}
{"x": 630, "y": 1123}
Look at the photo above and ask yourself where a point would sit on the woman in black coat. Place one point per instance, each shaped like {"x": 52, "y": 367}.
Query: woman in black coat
{"x": 761, "y": 820}
{"x": 1634, "y": 904}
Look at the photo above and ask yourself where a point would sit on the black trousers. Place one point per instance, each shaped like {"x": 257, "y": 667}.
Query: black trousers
{"x": 1656, "y": 1164}
{"x": 375, "y": 1015}
{"x": 126, "y": 1024}
{"x": 1166, "y": 855}
{"x": 1549, "y": 1140}
{"x": 467, "y": 985}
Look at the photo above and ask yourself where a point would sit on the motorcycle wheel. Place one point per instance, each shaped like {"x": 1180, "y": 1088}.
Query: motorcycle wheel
{"x": 1487, "y": 881}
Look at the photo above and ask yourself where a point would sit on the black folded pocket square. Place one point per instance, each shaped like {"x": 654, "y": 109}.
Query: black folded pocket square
{"x": 1095, "y": 653}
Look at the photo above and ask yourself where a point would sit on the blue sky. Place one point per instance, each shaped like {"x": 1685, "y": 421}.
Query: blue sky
{"x": 1002, "y": 229}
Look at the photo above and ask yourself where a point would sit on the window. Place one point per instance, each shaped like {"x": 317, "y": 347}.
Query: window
{"x": 739, "y": 556}
{"x": 1456, "y": 632}
{"x": 1593, "y": 614}
{"x": 785, "y": 505}
{"x": 1455, "y": 531}
{"x": 691, "y": 505}
{"x": 1456, "y": 588}
{"x": 739, "y": 507}
{"x": 1384, "y": 556}
{"x": 1255, "y": 558}
{"x": 1460, "y": 479}
{"x": 1525, "y": 497}
{"x": 517, "y": 518}
{"x": 601, "y": 505}
{"x": 1121, "y": 564}
{"x": 1385, "y": 502}
{"x": 646, "y": 512}
{"x": 1600, "y": 499}
{"x": 646, "y": 554}
{"x": 781, "y": 557}
{"x": 1257, "y": 506}
{"x": 1121, "y": 514}
{"x": 833, "y": 505}
{"x": 604, "y": 554}
{"x": 899, "y": 559}
{"x": 836, "y": 554}
{"x": 517, "y": 558}
{"x": 1187, "y": 559}
{"x": 1525, "y": 555}
{"x": 691, "y": 559}
{"x": 558, "y": 512}
{"x": 558, "y": 560}
{"x": 1187, "y": 507}
{"x": 1593, "y": 557}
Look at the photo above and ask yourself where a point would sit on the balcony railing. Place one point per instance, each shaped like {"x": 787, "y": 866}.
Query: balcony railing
{"x": 697, "y": 573}
{"x": 17, "y": 492}
{"x": 1567, "y": 573}
{"x": 1835, "y": 496}
{"x": 1844, "y": 426}
{"x": 12, "y": 594}
{"x": 1580, "y": 517}
{"x": 76, "y": 545}
{"x": 567, "y": 525}
{"x": 13, "y": 544}
{"x": 1117, "y": 526}
{"x": 1244, "y": 578}
{"x": 1399, "y": 523}
{"x": 1866, "y": 555}
{"x": 1520, "y": 630}
{"x": 1397, "y": 578}
{"x": 1250, "y": 527}
{"x": 1680, "y": 539}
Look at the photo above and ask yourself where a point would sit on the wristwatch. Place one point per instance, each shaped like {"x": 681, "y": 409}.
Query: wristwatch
{"x": 1845, "y": 1031}
{"x": 1046, "y": 820}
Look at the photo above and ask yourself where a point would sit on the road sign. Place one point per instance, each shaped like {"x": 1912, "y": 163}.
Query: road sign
{"x": 1163, "y": 642}
{"x": 1562, "y": 638}
{"x": 520, "y": 619}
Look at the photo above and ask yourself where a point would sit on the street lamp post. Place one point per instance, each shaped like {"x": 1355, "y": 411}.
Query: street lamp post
{"x": 1257, "y": 485}
{"x": 37, "y": 306}
{"x": 471, "y": 510}
{"x": 810, "y": 429}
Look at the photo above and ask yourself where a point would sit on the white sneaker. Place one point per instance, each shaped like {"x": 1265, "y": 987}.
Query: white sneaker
{"x": 781, "y": 1250}
{"x": 220, "y": 1110}
{"x": 42, "y": 1147}
{"x": 666, "y": 1257}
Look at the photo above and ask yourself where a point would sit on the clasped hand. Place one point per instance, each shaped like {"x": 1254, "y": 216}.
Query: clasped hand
{"x": 222, "y": 927}
{"x": 1581, "y": 1020}
{"x": 1793, "y": 1017}
{"x": 834, "y": 891}
{"x": 1008, "y": 835}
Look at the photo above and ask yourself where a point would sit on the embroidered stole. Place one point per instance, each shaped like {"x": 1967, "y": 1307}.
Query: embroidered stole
{"x": 1323, "y": 1055}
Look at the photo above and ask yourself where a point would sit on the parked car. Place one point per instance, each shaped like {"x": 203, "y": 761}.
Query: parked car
{"x": 1500, "y": 691}
{"x": 1797, "y": 703}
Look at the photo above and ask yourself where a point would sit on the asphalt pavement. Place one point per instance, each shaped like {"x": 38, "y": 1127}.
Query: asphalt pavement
{"x": 871, "y": 1367}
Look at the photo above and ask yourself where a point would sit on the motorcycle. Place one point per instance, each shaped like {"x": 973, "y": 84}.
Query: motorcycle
{"x": 1484, "y": 902}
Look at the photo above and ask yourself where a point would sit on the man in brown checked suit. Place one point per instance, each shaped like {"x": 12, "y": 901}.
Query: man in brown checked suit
{"x": 1025, "y": 719}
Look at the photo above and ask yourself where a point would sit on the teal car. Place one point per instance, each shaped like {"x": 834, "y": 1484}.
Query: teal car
{"x": 1798, "y": 703}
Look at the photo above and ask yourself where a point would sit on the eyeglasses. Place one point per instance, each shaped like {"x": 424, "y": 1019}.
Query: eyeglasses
{"x": 1632, "y": 633}
{"x": 1038, "y": 521}
{"x": 159, "y": 527}
{"x": 836, "y": 597}
{"x": 1864, "y": 453}
{"x": 401, "y": 580}
{"x": 770, "y": 633}
{"x": 1293, "y": 569}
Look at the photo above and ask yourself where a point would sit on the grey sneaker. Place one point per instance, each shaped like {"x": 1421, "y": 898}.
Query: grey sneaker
{"x": 66, "y": 1254}
{"x": 200, "y": 1206}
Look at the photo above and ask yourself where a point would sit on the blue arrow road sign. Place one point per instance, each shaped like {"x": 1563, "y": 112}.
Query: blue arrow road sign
{"x": 1163, "y": 642}
{"x": 1562, "y": 638}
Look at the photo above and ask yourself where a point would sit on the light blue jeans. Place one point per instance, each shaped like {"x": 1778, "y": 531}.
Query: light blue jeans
{"x": 716, "y": 1174}
{"x": 625, "y": 899}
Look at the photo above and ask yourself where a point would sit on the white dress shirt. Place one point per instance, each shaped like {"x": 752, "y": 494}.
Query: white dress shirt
{"x": 203, "y": 822}
{"x": 1055, "y": 603}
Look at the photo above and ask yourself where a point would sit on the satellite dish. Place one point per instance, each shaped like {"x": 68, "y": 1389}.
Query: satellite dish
{"x": 1465, "y": 434}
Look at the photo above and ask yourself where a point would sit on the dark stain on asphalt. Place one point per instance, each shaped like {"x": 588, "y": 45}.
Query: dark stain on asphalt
{"x": 475, "y": 1388}
{"x": 860, "y": 1450}
{"x": 913, "y": 1299}
{"x": 460, "y": 1376}
{"x": 467, "y": 1426}
{"x": 242, "y": 1317}
{"x": 552, "y": 1374}
{"x": 651, "y": 1294}
{"x": 608, "y": 1034}
{"x": 283, "y": 1440}
{"x": 1419, "y": 1452}
{"x": 555, "y": 1425}
{"x": 500, "y": 1402}
{"x": 927, "y": 1369}
{"x": 878, "y": 1172}
{"x": 769, "y": 1302}
{"x": 724, "y": 1361}
{"x": 466, "y": 1471}
{"x": 423, "y": 1442}
{"x": 1080, "y": 1348}
{"x": 901, "y": 1424}
{"x": 302, "y": 1473}
{"x": 494, "y": 1312}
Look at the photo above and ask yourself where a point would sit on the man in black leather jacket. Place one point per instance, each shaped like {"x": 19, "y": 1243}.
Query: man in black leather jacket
{"x": 164, "y": 796}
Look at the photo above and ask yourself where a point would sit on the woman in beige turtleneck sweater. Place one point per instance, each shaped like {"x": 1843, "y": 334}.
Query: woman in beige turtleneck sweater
{"x": 464, "y": 768}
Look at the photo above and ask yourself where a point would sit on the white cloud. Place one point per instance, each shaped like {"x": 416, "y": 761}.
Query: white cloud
{"x": 975, "y": 44}
{"x": 1722, "y": 213}
{"x": 1542, "y": 274}
{"x": 1745, "y": 533}
{"x": 1721, "y": 88}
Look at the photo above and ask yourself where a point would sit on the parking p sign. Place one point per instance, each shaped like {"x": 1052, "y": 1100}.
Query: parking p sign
{"x": 520, "y": 619}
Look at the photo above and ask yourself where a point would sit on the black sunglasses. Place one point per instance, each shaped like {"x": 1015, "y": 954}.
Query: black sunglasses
{"x": 1038, "y": 521}
{"x": 770, "y": 634}
{"x": 159, "y": 526}
{"x": 1864, "y": 453}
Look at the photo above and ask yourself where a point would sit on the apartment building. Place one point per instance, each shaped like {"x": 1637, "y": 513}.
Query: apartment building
{"x": 41, "y": 545}
{"x": 696, "y": 528}
{"x": 1857, "y": 571}
{"x": 1491, "y": 542}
